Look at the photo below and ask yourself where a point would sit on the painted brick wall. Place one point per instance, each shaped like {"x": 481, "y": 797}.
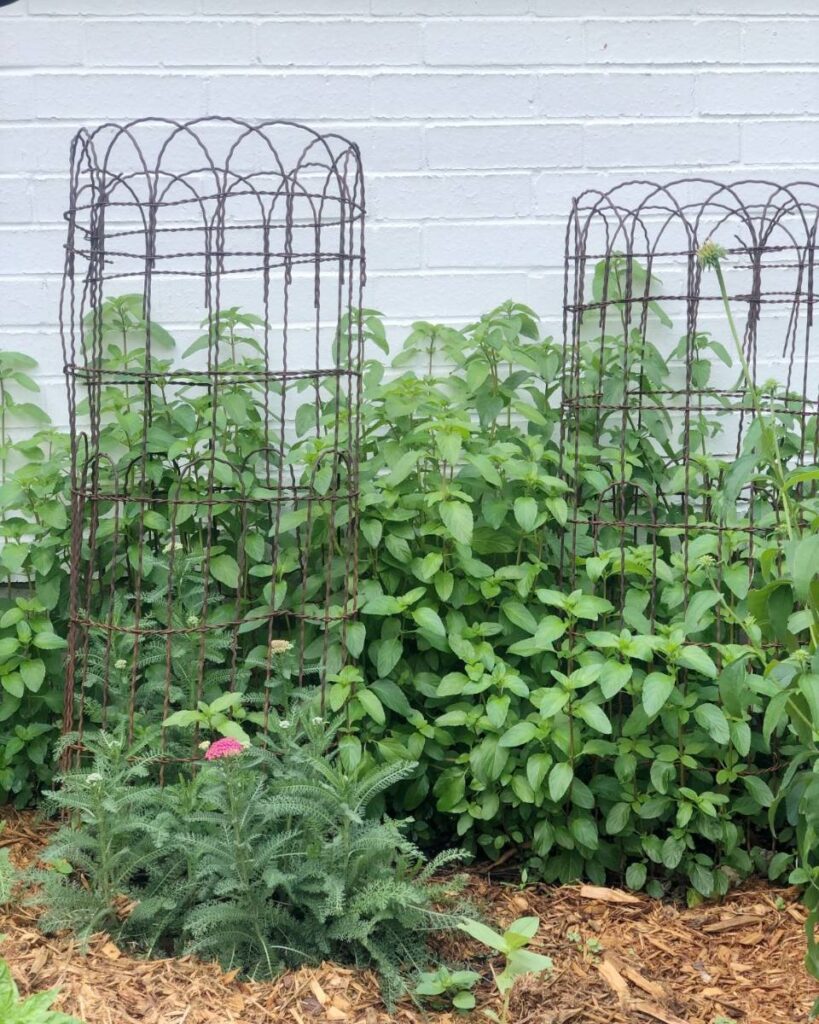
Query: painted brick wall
{"x": 478, "y": 120}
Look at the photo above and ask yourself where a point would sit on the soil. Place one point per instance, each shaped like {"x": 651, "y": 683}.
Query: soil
{"x": 618, "y": 959}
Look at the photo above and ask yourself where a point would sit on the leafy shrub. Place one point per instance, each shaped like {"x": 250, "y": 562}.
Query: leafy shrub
{"x": 628, "y": 725}
{"x": 611, "y": 732}
{"x": 260, "y": 860}
{"x": 34, "y": 487}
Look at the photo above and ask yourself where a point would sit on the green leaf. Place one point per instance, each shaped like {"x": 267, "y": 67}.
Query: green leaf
{"x": 552, "y": 700}
{"x": 33, "y": 674}
{"x": 305, "y": 419}
{"x": 356, "y": 636}
{"x": 484, "y": 934}
{"x": 804, "y": 564}
{"x": 444, "y": 585}
{"x": 698, "y": 660}
{"x": 521, "y": 932}
{"x": 429, "y": 566}
{"x": 225, "y": 701}
{"x": 713, "y": 720}
{"x": 182, "y": 718}
{"x": 657, "y": 688}
{"x": 430, "y": 622}
{"x": 522, "y": 961}
{"x": 593, "y": 716}
{"x": 392, "y": 696}
{"x": 11, "y": 617}
{"x": 234, "y": 731}
{"x": 758, "y": 789}
{"x": 613, "y": 678}
{"x": 155, "y": 521}
{"x": 636, "y": 875}
{"x": 402, "y": 468}
{"x": 457, "y": 518}
{"x": 808, "y": 683}
{"x": 371, "y": 705}
{"x": 389, "y": 654}
{"x": 559, "y": 509}
{"x": 696, "y": 613}
{"x": 463, "y": 1001}
{"x": 560, "y": 778}
{"x": 737, "y": 579}
{"x": 518, "y": 735}
{"x": 13, "y": 684}
{"x": 255, "y": 547}
{"x": 584, "y": 831}
{"x": 225, "y": 569}
{"x": 617, "y": 818}
{"x": 372, "y": 530}
{"x": 47, "y": 641}
{"x": 548, "y": 630}
{"x": 536, "y": 767}
{"x": 519, "y": 615}
{"x": 526, "y": 513}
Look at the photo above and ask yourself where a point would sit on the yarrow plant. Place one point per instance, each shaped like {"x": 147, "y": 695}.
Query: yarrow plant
{"x": 260, "y": 861}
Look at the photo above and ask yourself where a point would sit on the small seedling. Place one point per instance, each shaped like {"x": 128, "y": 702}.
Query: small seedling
{"x": 594, "y": 946}
{"x": 518, "y": 959}
{"x": 444, "y": 985}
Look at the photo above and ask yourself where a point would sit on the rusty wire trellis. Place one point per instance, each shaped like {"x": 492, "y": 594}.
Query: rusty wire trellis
{"x": 653, "y": 420}
{"x": 214, "y": 496}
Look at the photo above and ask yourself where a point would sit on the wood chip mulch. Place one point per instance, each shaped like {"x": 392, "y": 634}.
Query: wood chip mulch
{"x": 738, "y": 962}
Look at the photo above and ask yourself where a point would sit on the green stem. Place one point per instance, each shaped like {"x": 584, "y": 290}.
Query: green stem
{"x": 768, "y": 427}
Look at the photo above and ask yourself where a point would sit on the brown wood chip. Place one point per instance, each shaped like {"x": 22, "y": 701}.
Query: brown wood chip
{"x": 599, "y": 892}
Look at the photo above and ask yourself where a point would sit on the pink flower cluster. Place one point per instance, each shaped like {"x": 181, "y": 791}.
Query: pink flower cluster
{"x": 225, "y": 747}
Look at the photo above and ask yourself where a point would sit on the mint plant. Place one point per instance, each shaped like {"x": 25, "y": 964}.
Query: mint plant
{"x": 617, "y": 715}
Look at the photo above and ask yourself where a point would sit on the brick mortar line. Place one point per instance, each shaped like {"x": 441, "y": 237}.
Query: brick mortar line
{"x": 424, "y": 20}
{"x": 411, "y": 70}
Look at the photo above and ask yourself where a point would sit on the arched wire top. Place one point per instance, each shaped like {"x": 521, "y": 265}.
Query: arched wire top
{"x": 646, "y": 219}
{"x": 134, "y": 165}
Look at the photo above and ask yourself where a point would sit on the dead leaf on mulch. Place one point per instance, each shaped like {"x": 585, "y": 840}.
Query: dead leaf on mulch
{"x": 652, "y": 964}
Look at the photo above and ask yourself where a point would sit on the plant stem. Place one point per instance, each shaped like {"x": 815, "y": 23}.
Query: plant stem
{"x": 768, "y": 426}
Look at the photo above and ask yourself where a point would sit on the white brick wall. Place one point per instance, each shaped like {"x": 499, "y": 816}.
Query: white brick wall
{"x": 478, "y": 120}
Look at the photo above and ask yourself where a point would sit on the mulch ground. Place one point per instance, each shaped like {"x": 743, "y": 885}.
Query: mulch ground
{"x": 647, "y": 963}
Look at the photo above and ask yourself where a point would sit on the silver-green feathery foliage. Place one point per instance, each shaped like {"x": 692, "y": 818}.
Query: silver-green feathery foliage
{"x": 265, "y": 859}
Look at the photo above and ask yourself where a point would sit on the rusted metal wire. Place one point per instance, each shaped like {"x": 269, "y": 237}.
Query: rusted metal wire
{"x": 629, "y": 251}
{"x": 202, "y": 217}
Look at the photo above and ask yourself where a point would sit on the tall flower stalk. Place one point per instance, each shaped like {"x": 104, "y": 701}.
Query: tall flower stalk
{"x": 710, "y": 256}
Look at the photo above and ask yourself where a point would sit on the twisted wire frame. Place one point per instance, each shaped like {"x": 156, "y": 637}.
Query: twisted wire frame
{"x": 214, "y": 497}
{"x": 654, "y": 419}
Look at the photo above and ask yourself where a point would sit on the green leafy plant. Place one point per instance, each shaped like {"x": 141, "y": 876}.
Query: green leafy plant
{"x": 267, "y": 857}
{"x": 787, "y": 610}
{"x": 445, "y": 987}
{"x": 616, "y": 713}
{"x": 517, "y": 959}
{"x": 33, "y": 565}
{"x": 35, "y": 1009}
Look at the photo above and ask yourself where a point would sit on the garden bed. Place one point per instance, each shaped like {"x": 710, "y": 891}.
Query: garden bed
{"x": 619, "y": 959}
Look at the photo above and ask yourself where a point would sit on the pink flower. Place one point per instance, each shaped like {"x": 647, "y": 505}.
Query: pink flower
{"x": 225, "y": 747}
